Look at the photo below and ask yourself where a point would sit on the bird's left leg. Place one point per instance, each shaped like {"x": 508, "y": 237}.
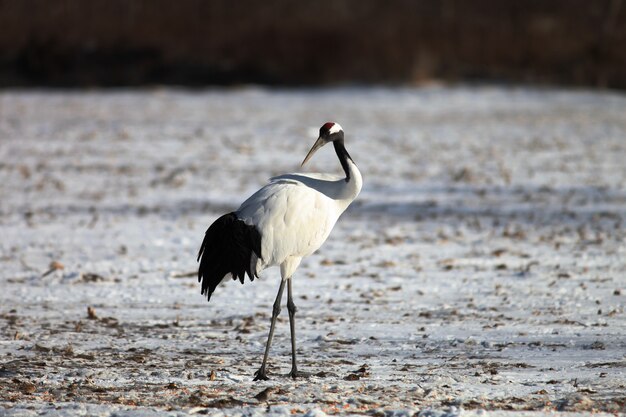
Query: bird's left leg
{"x": 291, "y": 307}
{"x": 261, "y": 374}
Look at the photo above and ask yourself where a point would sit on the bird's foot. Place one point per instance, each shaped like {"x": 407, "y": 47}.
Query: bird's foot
{"x": 260, "y": 375}
{"x": 299, "y": 374}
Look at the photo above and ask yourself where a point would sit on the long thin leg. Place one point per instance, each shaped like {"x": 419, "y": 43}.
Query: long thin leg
{"x": 261, "y": 374}
{"x": 291, "y": 307}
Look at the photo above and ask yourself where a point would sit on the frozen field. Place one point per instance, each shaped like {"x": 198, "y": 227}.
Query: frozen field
{"x": 483, "y": 266}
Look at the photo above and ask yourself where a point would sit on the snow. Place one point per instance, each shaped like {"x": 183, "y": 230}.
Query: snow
{"x": 482, "y": 270}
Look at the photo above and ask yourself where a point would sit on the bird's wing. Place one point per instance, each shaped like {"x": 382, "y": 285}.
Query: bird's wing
{"x": 293, "y": 219}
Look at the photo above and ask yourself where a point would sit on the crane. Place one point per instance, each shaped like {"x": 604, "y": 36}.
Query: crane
{"x": 284, "y": 221}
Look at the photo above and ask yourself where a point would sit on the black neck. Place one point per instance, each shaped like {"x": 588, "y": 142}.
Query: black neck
{"x": 343, "y": 156}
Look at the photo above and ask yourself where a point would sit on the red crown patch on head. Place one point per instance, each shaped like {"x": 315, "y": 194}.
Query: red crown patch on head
{"x": 328, "y": 125}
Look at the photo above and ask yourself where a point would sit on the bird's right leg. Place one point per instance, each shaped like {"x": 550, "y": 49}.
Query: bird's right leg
{"x": 291, "y": 307}
{"x": 261, "y": 374}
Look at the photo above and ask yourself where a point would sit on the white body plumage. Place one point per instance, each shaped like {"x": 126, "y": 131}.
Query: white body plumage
{"x": 295, "y": 214}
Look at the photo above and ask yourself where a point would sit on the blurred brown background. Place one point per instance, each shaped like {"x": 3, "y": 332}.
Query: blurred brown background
{"x": 285, "y": 42}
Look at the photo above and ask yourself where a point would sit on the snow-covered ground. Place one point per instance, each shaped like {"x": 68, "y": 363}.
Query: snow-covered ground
{"x": 483, "y": 266}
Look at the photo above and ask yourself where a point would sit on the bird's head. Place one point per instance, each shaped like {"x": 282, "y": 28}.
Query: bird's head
{"x": 329, "y": 132}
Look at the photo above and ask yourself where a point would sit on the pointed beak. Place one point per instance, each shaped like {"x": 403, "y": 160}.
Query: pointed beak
{"x": 318, "y": 144}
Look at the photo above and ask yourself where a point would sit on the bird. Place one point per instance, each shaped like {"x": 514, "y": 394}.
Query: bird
{"x": 283, "y": 222}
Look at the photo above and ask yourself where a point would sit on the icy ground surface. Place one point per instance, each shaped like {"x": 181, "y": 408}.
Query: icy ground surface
{"x": 483, "y": 267}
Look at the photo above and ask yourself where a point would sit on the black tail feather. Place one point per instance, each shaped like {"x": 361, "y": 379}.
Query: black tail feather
{"x": 227, "y": 248}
